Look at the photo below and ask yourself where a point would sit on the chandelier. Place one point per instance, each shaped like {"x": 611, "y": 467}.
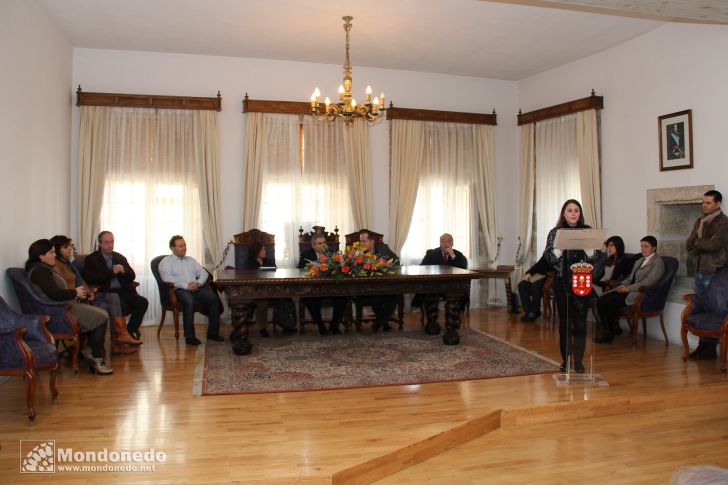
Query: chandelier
{"x": 347, "y": 108}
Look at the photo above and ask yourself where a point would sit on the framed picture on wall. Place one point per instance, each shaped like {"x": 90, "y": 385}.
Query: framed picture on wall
{"x": 676, "y": 140}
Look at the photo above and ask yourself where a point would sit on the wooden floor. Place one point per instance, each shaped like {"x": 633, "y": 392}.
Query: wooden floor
{"x": 656, "y": 415}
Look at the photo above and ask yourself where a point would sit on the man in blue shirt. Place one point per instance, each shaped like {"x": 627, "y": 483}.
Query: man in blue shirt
{"x": 191, "y": 286}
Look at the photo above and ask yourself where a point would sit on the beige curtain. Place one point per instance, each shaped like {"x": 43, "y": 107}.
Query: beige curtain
{"x": 485, "y": 184}
{"x": 356, "y": 156}
{"x": 256, "y": 145}
{"x": 587, "y": 150}
{"x": 557, "y": 172}
{"x": 408, "y": 145}
{"x": 92, "y": 151}
{"x": 526, "y": 192}
{"x": 303, "y": 188}
{"x": 205, "y": 150}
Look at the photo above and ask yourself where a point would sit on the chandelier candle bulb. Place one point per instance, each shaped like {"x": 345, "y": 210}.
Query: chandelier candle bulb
{"x": 369, "y": 94}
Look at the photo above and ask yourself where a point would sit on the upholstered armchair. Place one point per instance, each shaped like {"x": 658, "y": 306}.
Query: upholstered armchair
{"x": 168, "y": 298}
{"x": 359, "y": 303}
{"x": 62, "y": 325}
{"x": 651, "y": 301}
{"x": 26, "y": 347}
{"x": 706, "y": 315}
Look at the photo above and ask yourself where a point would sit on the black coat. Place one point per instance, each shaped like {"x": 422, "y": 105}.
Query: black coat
{"x": 306, "y": 256}
{"x": 433, "y": 257}
{"x": 95, "y": 271}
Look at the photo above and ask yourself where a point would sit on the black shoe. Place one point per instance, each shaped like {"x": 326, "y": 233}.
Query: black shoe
{"x": 192, "y": 341}
{"x": 525, "y": 316}
{"x": 604, "y": 339}
{"x": 322, "y": 329}
{"x": 334, "y": 329}
{"x": 562, "y": 367}
{"x": 705, "y": 351}
{"x": 432, "y": 329}
{"x": 579, "y": 368}
{"x": 264, "y": 333}
{"x": 531, "y": 317}
{"x": 617, "y": 330}
{"x": 386, "y": 327}
{"x": 289, "y": 331}
{"x": 135, "y": 334}
{"x": 216, "y": 338}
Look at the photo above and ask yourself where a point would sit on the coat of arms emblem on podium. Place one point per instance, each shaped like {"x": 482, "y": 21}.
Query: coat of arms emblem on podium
{"x": 581, "y": 278}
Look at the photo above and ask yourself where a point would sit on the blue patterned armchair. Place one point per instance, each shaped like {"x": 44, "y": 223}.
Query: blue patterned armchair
{"x": 27, "y": 347}
{"x": 651, "y": 301}
{"x": 706, "y": 315}
{"x": 62, "y": 325}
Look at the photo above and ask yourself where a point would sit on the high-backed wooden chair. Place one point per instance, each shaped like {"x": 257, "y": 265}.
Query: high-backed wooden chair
{"x": 333, "y": 243}
{"x": 244, "y": 240}
{"x": 351, "y": 238}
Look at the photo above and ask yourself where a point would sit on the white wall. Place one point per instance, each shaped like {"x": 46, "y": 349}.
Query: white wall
{"x": 35, "y": 132}
{"x": 673, "y": 68}
{"x": 192, "y": 75}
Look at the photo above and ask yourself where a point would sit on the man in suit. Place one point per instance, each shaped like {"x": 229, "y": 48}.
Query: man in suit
{"x": 646, "y": 272}
{"x": 317, "y": 249}
{"x": 708, "y": 247}
{"x": 530, "y": 290}
{"x": 383, "y": 305}
{"x": 110, "y": 271}
{"x": 443, "y": 255}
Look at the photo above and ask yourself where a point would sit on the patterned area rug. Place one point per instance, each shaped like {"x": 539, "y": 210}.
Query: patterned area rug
{"x": 308, "y": 363}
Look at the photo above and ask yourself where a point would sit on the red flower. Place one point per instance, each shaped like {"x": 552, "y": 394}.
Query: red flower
{"x": 367, "y": 266}
{"x": 322, "y": 267}
{"x": 337, "y": 258}
{"x": 359, "y": 260}
{"x": 322, "y": 258}
{"x": 345, "y": 269}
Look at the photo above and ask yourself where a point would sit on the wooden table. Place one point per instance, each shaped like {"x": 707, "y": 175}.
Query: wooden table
{"x": 501, "y": 272}
{"x": 241, "y": 287}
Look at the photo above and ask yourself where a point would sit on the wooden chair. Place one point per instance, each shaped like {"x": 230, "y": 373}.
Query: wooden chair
{"x": 62, "y": 325}
{"x": 168, "y": 298}
{"x": 548, "y": 302}
{"x": 706, "y": 315}
{"x": 351, "y": 238}
{"x": 27, "y": 347}
{"x": 651, "y": 301}
{"x": 333, "y": 243}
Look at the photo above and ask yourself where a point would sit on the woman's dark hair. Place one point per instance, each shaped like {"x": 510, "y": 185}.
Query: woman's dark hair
{"x": 562, "y": 220}
{"x": 254, "y": 250}
{"x": 38, "y": 248}
{"x": 59, "y": 242}
{"x": 619, "y": 246}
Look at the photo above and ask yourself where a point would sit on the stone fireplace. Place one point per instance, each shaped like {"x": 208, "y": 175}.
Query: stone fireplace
{"x": 671, "y": 213}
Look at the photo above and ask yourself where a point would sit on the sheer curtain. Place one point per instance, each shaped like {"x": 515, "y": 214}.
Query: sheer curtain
{"x": 526, "y": 191}
{"x": 304, "y": 182}
{"x": 446, "y": 199}
{"x": 557, "y": 172}
{"x": 151, "y": 189}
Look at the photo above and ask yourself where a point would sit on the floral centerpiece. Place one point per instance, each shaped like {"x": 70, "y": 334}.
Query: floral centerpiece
{"x": 354, "y": 262}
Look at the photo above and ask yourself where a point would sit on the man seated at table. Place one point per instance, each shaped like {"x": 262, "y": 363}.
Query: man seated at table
{"x": 191, "y": 287}
{"x": 383, "y": 305}
{"x": 317, "y": 249}
{"x": 444, "y": 255}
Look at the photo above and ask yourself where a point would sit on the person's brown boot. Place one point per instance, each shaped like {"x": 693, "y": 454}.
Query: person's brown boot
{"x": 122, "y": 335}
{"x": 122, "y": 349}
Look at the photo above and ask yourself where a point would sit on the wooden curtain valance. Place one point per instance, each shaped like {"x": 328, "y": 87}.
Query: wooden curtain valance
{"x": 283, "y": 107}
{"x": 563, "y": 109}
{"x": 147, "y": 101}
{"x": 442, "y": 116}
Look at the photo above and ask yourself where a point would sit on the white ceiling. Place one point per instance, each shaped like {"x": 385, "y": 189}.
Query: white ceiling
{"x": 501, "y": 40}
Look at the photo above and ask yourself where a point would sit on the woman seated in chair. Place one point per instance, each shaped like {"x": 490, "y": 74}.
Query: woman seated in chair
{"x": 617, "y": 265}
{"x": 91, "y": 320}
{"x": 284, "y": 312}
{"x": 122, "y": 342}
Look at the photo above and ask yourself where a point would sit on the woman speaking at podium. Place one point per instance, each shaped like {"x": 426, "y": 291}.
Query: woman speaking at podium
{"x": 572, "y": 309}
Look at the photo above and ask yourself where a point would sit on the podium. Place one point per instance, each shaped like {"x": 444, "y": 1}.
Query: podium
{"x": 577, "y": 340}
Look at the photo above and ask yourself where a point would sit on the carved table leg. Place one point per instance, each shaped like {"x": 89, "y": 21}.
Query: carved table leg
{"x": 452, "y": 322}
{"x": 509, "y": 294}
{"x": 431, "y": 310}
{"x": 241, "y": 317}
